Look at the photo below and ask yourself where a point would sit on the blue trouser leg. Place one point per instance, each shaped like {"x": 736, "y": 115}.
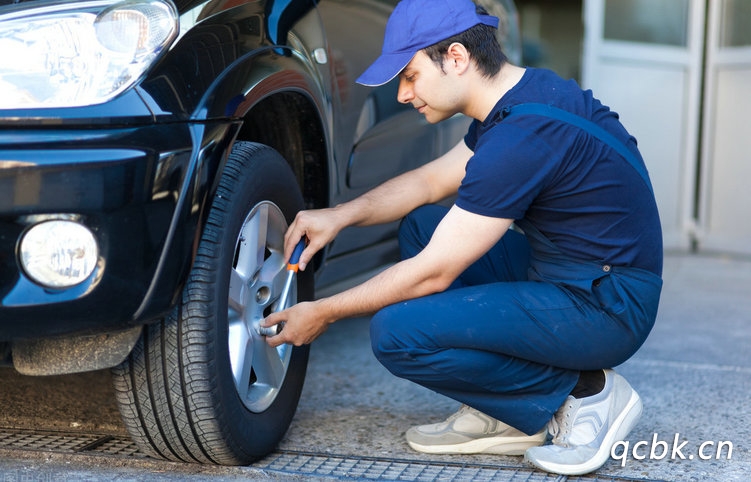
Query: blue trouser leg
{"x": 508, "y": 347}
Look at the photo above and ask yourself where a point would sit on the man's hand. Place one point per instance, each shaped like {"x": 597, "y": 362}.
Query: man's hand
{"x": 320, "y": 226}
{"x": 303, "y": 323}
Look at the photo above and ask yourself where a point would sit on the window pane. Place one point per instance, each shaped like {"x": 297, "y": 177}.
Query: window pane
{"x": 736, "y": 19}
{"x": 648, "y": 21}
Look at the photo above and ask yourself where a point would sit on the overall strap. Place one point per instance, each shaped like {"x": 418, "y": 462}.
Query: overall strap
{"x": 586, "y": 125}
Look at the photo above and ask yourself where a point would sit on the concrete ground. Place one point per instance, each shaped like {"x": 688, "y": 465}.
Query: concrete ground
{"x": 693, "y": 373}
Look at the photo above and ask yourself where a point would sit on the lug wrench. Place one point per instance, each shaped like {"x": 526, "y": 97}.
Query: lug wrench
{"x": 292, "y": 267}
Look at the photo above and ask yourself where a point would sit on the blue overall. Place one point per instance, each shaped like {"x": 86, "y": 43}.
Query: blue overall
{"x": 511, "y": 334}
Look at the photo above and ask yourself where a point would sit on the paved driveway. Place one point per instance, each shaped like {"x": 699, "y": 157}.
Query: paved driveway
{"x": 694, "y": 375}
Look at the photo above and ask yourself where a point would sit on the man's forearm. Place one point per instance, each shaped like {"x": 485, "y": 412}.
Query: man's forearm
{"x": 387, "y": 202}
{"x": 449, "y": 252}
{"x": 406, "y": 280}
{"x": 397, "y": 197}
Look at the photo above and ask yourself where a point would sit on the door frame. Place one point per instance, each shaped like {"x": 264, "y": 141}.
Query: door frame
{"x": 719, "y": 60}
{"x": 597, "y": 50}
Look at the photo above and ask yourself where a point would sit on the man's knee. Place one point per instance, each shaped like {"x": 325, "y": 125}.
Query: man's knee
{"x": 385, "y": 341}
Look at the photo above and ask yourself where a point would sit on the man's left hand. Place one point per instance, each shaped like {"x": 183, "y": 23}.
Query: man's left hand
{"x": 303, "y": 323}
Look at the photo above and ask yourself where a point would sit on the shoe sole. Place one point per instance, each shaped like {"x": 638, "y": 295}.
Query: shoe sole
{"x": 488, "y": 445}
{"x": 625, "y": 422}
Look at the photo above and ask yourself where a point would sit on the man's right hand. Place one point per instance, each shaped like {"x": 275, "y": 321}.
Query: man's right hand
{"x": 319, "y": 226}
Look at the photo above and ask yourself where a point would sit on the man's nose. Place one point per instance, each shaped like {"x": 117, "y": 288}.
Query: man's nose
{"x": 404, "y": 94}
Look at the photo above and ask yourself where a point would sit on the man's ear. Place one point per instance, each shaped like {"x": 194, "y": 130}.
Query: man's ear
{"x": 458, "y": 57}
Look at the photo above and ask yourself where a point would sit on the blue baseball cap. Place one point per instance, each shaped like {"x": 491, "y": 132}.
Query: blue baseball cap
{"x": 415, "y": 25}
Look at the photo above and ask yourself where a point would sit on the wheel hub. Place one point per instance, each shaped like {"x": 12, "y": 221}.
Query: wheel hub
{"x": 256, "y": 282}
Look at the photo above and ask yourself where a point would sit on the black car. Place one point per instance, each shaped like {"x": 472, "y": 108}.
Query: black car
{"x": 151, "y": 156}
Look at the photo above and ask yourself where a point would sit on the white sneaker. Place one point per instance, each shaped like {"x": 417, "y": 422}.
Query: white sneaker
{"x": 470, "y": 431}
{"x": 584, "y": 430}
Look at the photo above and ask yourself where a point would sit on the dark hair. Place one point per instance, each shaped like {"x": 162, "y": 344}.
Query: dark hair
{"x": 481, "y": 43}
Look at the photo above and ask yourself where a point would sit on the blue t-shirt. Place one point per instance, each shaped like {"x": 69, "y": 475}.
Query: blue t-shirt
{"x": 583, "y": 196}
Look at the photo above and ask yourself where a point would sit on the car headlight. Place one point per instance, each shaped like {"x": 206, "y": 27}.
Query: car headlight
{"x": 79, "y": 53}
{"x": 58, "y": 253}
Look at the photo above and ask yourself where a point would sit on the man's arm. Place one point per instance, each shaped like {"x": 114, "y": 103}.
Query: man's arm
{"x": 459, "y": 240}
{"x": 388, "y": 202}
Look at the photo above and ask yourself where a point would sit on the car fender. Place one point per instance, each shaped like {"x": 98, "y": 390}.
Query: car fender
{"x": 252, "y": 78}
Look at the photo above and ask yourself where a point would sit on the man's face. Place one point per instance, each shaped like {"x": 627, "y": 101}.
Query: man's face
{"x": 433, "y": 92}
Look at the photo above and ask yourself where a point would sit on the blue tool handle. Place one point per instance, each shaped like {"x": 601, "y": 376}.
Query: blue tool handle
{"x": 295, "y": 258}
{"x": 283, "y": 303}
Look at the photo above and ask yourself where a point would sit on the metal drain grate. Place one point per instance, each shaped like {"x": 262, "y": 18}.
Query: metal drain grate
{"x": 390, "y": 469}
{"x": 67, "y": 442}
{"x": 370, "y": 468}
{"x": 287, "y": 462}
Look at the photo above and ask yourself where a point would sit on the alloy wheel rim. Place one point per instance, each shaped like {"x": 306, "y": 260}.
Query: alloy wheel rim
{"x": 256, "y": 281}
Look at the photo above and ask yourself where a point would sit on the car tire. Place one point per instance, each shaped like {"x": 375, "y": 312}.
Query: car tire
{"x": 202, "y": 385}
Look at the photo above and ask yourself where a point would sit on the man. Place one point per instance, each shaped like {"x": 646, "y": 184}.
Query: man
{"x": 521, "y": 329}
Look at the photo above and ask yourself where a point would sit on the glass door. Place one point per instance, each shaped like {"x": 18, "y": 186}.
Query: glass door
{"x": 725, "y": 168}
{"x": 643, "y": 58}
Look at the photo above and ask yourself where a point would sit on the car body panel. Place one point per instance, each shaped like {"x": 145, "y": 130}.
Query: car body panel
{"x": 141, "y": 170}
{"x": 142, "y": 202}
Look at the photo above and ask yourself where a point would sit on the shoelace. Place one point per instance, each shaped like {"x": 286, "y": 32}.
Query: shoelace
{"x": 462, "y": 410}
{"x": 560, "y": 425}
{"x": 491, "y": 425}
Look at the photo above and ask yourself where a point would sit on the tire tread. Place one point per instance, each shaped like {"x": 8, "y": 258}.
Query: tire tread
{"x": 167, "y": 389}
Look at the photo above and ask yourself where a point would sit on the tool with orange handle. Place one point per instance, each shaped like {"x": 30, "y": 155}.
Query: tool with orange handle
{"x": 292, "y": 267}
